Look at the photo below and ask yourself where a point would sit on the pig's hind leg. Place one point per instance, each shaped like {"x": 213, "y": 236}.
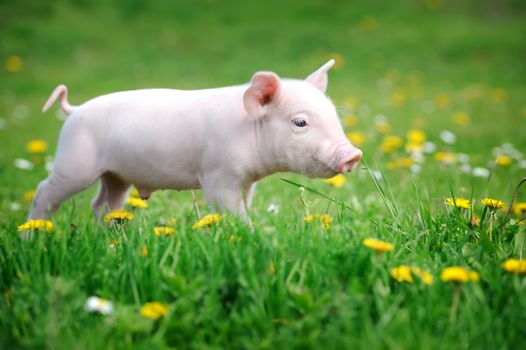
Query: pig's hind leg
{"x": 53, "y": 191}
{"x": 75, "y": 169}
{"x": 112, "y": 194}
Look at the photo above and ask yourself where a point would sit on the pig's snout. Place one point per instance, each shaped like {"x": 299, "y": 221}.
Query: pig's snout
{"x": 350, "y": 157}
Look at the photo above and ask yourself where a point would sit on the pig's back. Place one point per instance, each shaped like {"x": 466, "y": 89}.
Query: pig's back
{"x": 170, "y": 130}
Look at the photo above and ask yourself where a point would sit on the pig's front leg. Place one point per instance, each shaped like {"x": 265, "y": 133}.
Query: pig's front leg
{"x": 226, "y": 196}
{"x": 249, "y": 195}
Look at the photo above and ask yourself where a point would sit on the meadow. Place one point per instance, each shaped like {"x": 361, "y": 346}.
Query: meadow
{"x": 403, "y": 253}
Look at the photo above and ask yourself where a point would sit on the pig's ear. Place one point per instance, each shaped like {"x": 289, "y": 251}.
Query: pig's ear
{"x": 264, "y": 89}
{"x": 319, "y": 77}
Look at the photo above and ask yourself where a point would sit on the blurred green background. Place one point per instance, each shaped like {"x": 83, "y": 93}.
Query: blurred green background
{"x": 429, "y": 65}
{"x": 409, "y": 64}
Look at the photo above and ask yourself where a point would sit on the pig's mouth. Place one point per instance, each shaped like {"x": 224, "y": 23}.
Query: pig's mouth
{"x": 318, "y": 168}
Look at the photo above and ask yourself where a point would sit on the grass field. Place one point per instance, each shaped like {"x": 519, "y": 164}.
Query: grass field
{"x": 432, "y": 91}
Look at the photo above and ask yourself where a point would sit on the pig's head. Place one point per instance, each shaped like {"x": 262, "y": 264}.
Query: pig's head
{"x": 302, "y": 129}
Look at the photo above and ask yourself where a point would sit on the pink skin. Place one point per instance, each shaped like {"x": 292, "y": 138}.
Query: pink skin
{"x": 221, "y": 140}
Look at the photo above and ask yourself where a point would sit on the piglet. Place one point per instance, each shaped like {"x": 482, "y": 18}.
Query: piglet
{"x": 221, "y": 140}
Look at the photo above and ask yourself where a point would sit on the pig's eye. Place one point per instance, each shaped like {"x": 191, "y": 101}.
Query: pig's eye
{"x": 300, "y": 123}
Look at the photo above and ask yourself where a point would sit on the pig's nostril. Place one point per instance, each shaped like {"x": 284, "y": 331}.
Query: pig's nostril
{"x": 350, "y": 164}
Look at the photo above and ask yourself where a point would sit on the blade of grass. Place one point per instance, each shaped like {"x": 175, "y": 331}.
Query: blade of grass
{"x": 312, "y": 190}
{"x": 380, "y": 190}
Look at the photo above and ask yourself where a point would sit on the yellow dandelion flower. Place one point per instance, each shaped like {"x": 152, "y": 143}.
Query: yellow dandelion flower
{"x": 350, "y": 120}
{"x": 336, "y": 181}
{"x": 401, "y": 274}
{"x": 519, "y": 208}
{"x": 515, "y": 266}
{"x": 37, "y": 146}
{"x": 44, "y": 225}
{"x": 474, "y": 221}
{"x": 378, "y": 245}
{"x": 414, "y": 147}
{"x": 498, "y": 95}
{"x": 324, "y": 219}
{"x": 397, "y": 99}
{"x": 391, "y": 143}
{"x": 461, "y": 203}
{"x": 405, "y": 273}
{"x": 357, "y": 138}
{"x": 461, "y": 118}
{"x": 28, "y": 196}
{"x": 13, "y": 64}
{"x": 445, "y": 157}
{"x": 458, "y": 274}
{"x": 338, "y": 60}
{"x": 416, "y": 136}
{"x": 163, "y": 230}
{"x": 400, "y": 163}
{"x": 352, "y": 102}
{"x": 368, "y": 24}
{"x": 442, "y": 100}
{"x": 207, "y": 220}
{"x": 271, "y": 268}
{"x": 383, "y": 127}
{"x": 135, "y": 202}
{"x": 434, "y": 5}
{"x": 503, "y": 160}
{"x": 425, "y": 276}
{"x": 492, "y": 204}
{"x": 134, "y": 193}
{"x": 154, "y": 310}
{"x": 392, "y": 75}
{"x": 118, "y": 215}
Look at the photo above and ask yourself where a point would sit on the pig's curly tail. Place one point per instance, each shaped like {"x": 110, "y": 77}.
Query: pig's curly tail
{"x": 60, "y": 92}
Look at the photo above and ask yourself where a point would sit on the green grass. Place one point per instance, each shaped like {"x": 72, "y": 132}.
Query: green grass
{"x": 289, "y": 284}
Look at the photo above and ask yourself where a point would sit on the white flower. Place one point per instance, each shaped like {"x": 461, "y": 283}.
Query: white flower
{"x": 364, "y": 110}
{"x": 522, "y": 164}
{"x": 273, "y": 208}
{"x": 415, "y": 168}
{"x": 49, "y": 165}
{"x": 384, "y": 85}
{"x": 417, "y": 157}
{"x": 465, "y": 168}
{"x": 509, "y": 150}
{"x": 379, "y": 119}
{"x": 428, "y": 107}
{"x": 23, "y": 164}
{"x": 497, "y": 151}
{"x": 463, "y": 158}
{"x": 377, "y": 174}
{"x": 14, "y": 206}
{"x": 507, "y": 147}
{"x": 21, "y": 112}
{"x": 96, "y": 304}
{"x": 448, "y": 137}
{"x": 480, "y": 172}
{"x": 429, "y": 147}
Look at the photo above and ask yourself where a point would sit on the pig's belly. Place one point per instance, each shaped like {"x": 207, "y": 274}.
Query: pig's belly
{"x": 154, "y": 171}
